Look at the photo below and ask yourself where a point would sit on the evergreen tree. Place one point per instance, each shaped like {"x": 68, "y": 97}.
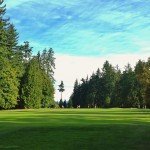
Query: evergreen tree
{"x": 111, "y": 88}
{"x": 48, "y": 62}
{"x": 92, "y": 91}
{"x": 143, "y": 77}
{"x": 26, "y": 51}
{"x": 8, "y": 84}
{"x": 74, "y": 99}
{"x": 8, "y": 77}
{"x": 61, "y": 88}
{"x": 23, "y": 80}
{"x": 65, "y": 104}
{"x": 3, "y": 25}
{"x": 116, "y": 99}
{"x": 109, "y": 80}
{"x": 61, "y": 103}
{"x": 12, "y": 40}
{"x": 32, "y": 85}
{"x": 70, "y": 103}
{"x": 147, "y": 97}
{"x": 47, "y": 92}
{"x": 128, "y": 88}
{"x": 140, "y": 71}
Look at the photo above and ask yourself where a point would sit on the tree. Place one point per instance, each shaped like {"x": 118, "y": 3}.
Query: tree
{"x": 8, "y": 84}
{"x": 128, "y": 89}
{"x": 8, "y": 77}
{"x": 61, "y": 103}
{"x": 138, "y": 73}
{"x": 24, "y": 82}
{"x": 48, "y": 62}
{"x": 113, "y": 88}
{"x": 142, "y": 70}
{"x": 32, "y": 85}
{"x": 3, "y": 25}
{"x": 61, "y": 88}
{"x": 74, "y": 98}
{"x": 147, "y": 97}
{"x": 26, "y": 52}
{"x": 12, "y": 39}
{"x": 47, "y": 92}
{"x": 65, "y": 104}
{"x": 109, "y": 81}
{"x": 70, "y": 103}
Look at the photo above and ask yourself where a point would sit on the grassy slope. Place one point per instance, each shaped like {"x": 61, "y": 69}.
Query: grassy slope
{"x": 75, "y": 129}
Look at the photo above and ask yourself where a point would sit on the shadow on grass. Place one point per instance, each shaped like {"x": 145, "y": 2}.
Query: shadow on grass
{"x": 109, "y": 137}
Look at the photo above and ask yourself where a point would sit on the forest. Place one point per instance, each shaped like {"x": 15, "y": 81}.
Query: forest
{"x": 27, "y": 80}
{"x": 111, "y": 87}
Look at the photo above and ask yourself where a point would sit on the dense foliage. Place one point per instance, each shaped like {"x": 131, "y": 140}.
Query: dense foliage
{"x": 26, "y": 81}
{"x": 112, "y": 88}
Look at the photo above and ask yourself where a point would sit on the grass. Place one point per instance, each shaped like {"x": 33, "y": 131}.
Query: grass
{"x": 75, "y": 129}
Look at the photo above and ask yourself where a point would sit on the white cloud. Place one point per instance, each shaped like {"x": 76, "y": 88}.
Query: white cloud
{"x": 69, "y": 68}
{"x": 146, "y": 49}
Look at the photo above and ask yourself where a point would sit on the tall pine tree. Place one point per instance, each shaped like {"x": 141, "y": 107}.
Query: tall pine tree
{"x": 32, "y": 85}
{"x": 8, "y": 77}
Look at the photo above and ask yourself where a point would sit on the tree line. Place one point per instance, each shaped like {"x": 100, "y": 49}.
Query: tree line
{"x": 111, "y": 87}
{"x": 26, "y": 80}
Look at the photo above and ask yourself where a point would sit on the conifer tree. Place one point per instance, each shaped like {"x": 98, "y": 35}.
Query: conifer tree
{"x": 108, "y": 76}
{"x": 70, "y": 103}
{"x": 25, "y": 80}
{"x": 8, "y": 77}
{"x": 48, "y": 62}
{"x": 61, "y": 88}
{"x": 32, "y": 85}
{"x": 8, "y": 84}
{"x": 12, "y": 40}
{"x": 47, "y": 92}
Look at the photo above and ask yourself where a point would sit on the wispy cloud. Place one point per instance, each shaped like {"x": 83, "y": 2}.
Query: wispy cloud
{"x": 83, "y": 27}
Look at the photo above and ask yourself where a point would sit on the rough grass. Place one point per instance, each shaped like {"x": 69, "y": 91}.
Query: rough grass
{"x": 75, "y": 129}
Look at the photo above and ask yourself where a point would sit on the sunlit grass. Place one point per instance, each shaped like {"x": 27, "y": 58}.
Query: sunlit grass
{"x": 46, "y": 129}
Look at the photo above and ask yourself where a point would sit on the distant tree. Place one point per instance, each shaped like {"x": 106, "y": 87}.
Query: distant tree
{"x": 74, "y": 98}
{"x": 128, "y": 88}
{"x": 116, "y": 99}
{"x": 47, "y": 92}
{"x": 61, "y": 88}
{"x": 26, "y": 51}
{"x": 61, "y": 103}
{"x": 109, "y": 80}
{"x": 140, "y": 69}
{"x": 65, "y": 104}
{"x": 48, "y": 62}
{"x": 147, "y": 97}
{"x": 12, "y": 39}
{"x": 70, "y": 103}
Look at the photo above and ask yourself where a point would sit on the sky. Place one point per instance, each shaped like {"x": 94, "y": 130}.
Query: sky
{"x": 83, "y": 33}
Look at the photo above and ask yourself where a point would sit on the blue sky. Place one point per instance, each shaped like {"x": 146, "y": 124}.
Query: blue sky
{"x": 99, "y": 29}
{"x": 83, "y": 27}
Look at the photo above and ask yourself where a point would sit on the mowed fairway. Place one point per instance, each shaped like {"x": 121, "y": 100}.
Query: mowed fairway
{"x": 75, "y": 129}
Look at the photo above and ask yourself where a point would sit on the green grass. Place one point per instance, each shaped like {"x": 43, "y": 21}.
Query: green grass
{"x": 75, "y": 129}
